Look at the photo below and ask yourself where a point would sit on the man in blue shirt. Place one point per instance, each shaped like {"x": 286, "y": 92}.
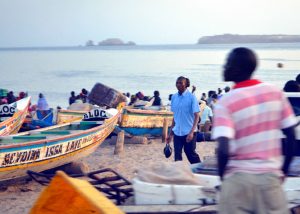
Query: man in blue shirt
{"x": 186, "y": 110}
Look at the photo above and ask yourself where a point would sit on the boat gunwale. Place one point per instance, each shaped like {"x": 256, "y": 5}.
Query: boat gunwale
{"x": 147, "y": 112}
{"x": 71, "y": 111}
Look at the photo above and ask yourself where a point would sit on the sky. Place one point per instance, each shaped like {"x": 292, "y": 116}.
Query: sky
{"x": 30, "y": 23}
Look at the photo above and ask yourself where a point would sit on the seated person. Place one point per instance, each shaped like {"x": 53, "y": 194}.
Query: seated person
{"x": 156, "y": 100}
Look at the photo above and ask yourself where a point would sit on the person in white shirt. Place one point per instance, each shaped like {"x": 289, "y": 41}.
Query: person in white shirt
{"x": 205, "y": 118}
{"x": 42, "y": 103}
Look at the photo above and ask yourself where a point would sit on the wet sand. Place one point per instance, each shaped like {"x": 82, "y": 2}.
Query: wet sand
{"x": 20, "y": 198}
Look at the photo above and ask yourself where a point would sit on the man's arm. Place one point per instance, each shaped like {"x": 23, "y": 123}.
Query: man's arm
{"x": 193, "y": 89}
{"x": 190, "y": 136}
{"x": 223, "y": 155}
{"x": 289, "y": 148}
{"x": 171, "y": 132}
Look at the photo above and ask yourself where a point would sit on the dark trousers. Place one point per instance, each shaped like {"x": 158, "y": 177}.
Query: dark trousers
{"x": 189, "y": 149}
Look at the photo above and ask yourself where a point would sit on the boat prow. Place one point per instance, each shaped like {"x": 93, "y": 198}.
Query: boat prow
{"x": 12, "y": 124}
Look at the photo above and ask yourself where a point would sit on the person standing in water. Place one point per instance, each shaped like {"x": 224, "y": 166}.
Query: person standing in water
{"x": 247, "y": 126}
{"x": 186, "y": 110}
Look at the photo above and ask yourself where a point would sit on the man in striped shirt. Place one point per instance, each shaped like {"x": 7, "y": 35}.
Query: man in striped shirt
{"x": 248, "y": 126}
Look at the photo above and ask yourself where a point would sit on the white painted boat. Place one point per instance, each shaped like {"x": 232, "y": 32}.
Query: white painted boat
{"x": 150, "y": 193}
{"x": 13, "y": 123}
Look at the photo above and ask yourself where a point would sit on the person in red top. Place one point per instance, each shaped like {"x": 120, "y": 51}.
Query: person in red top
{"x": 21, "y": 95}
{"x": 248, "y": 122}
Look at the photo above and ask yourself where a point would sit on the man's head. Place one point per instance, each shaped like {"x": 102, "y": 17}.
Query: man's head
{"x": 291, "y": 86}
{"x": 227, "y": 89}
{"x": 240, "y": 65}
{"x": 84, "y": 91}
{"x": 182, "y": 83}
{"x": 298, "y": 78}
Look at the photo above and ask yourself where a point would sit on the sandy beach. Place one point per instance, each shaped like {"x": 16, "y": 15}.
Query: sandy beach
{"x": 19, "y": 198}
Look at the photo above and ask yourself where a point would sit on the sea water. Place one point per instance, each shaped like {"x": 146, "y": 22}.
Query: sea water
{"x": 56, "y": 72}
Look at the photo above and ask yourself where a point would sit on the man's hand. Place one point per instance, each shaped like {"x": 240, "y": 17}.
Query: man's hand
{"x": 189, "y": 137}
{"x": 170, "y": 136}
{"x": 193, "y": 89}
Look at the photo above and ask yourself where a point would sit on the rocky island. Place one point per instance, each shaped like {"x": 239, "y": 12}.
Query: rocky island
{"x": 110, "y": 42}
{"x": 236, "y": 38}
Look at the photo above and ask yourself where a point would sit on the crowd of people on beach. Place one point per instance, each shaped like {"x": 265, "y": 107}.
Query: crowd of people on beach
{"x": 82, "y": 97}
{"x": 245, "y": 120}
{"x": 9, "y": 97}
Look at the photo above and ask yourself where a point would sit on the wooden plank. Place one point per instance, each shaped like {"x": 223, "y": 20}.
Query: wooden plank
{"x": 119, "y": 148}
{"x": 212, "y": 209}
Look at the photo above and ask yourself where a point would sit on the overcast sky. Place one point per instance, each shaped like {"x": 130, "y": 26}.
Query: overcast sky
{"x": 73, "y": 22}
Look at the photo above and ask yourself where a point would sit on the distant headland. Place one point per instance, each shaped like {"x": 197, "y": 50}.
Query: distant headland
{"x": 236, "y": 38}
{"x": 109, "y": 42}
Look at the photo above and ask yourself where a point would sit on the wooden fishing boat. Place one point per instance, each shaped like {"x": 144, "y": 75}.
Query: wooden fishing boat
{"x": 142, "y": 122}
{"x": 54, "y": 146}
{"x": 13, "y": 123}
{"x": 154, "y": 193}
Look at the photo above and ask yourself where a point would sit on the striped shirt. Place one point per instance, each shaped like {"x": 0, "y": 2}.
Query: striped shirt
{"x": 252, "y": 116}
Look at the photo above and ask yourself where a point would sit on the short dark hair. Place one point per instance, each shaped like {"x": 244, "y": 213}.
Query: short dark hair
{"x": 245, "y": 59}
{"x": 214, "y": 96}
{"x": 186, "y": 80}
{"x": 291, "y": 86}
{"x": 298, "y": 78}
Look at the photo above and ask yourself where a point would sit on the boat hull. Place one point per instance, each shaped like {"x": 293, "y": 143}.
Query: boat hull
{"x": 52, "y": 152}
{"x": 142, "y": 122}
{"x": 154, "y": 193}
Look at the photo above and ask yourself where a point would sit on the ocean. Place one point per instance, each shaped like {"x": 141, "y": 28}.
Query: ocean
{"x": 56, "y": 71}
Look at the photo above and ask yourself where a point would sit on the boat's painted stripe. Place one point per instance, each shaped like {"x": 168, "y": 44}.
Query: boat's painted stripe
{"x": 43, "y": 143}
{"x": 41, "y": 162}
{"x": 143, "y": 131}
